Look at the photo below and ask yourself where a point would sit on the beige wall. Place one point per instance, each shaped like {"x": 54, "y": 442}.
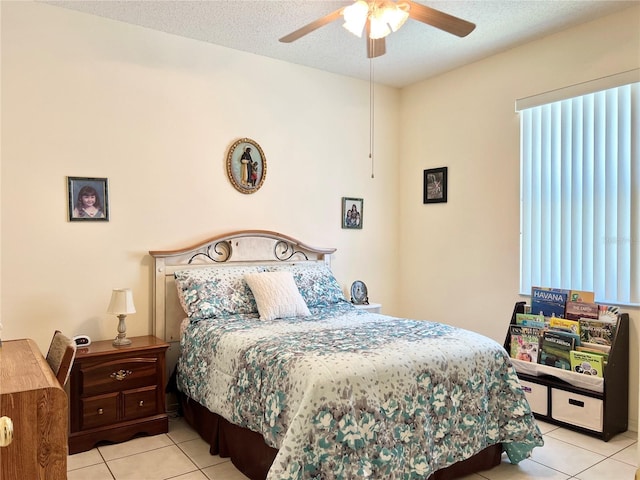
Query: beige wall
{"x": 460, "y": 261}
{"x": 155, "y": 114}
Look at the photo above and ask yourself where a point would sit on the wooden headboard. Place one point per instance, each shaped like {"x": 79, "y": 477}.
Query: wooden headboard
{"x": 246, "y": 247}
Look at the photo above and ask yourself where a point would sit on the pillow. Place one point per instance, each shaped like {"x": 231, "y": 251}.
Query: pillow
{"x": 215, "y": 291}
{"x": 316, "y": 283}
{"x": 276, "y": 295}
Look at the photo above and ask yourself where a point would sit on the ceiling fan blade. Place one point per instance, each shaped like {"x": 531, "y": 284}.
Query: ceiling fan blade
{"x": 438, "y": 19}
{"x": 321, "y": 22}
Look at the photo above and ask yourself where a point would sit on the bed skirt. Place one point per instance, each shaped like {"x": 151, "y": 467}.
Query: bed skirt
{"x": 253, "y": 457}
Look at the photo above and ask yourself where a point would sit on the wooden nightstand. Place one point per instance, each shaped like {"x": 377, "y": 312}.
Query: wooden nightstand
{"x": 117, "y": 392}
{"x": 371, "y": 307}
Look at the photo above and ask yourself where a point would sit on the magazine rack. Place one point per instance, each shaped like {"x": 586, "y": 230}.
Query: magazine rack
{"x": 564, "y": 398}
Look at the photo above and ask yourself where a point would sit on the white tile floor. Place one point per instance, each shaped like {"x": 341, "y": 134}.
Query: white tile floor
{"x": 182, "y": 455}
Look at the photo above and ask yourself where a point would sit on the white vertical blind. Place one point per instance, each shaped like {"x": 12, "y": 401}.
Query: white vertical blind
{"x": 580, "y": 206}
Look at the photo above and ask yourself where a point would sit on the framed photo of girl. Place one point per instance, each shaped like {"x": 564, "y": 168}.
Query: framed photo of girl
{"x": 352, "y": 212}
{"x": 88, "y": 199}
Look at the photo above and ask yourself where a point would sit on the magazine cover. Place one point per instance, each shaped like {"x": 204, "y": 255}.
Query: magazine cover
{"x": 565, "y": 324}
{"x": 586, "y": 363}
{"x": 556, "y": 348}
{"x": 530, "y": 320}
{"x": 581, "y": 296}
{"x": 578, "y": 310}
{"x": 550, "y": 302}
{"x": 597, "y": 332}
{"x": 525, "y": 343}
{"x": 608, "y": 313}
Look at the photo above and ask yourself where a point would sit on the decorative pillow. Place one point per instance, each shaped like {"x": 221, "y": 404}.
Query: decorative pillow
{"x": 276, "y": 295}
{"x": 215, "y": 291}
{"x": 316, "y": 283}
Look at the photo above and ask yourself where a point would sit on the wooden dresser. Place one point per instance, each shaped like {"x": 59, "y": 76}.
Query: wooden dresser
{"x": 117, "y": 393}
{"x": 35, "y": 402}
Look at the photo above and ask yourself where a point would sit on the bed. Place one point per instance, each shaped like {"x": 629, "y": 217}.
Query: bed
{"x": 278, "y": 371}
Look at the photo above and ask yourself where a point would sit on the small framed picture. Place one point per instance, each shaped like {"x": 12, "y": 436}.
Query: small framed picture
{"x": 88, "y": 199}
{"x": 435, "y": 185}
{"x": 246, "y": 165}
{"x": 359, "y": 294}
{"x": 352, "y": 212}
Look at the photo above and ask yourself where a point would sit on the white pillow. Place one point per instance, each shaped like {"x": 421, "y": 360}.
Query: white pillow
{"x": 276, "y": 295}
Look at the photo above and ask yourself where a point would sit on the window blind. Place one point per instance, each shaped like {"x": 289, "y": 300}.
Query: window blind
{"x": 580, "y": 200}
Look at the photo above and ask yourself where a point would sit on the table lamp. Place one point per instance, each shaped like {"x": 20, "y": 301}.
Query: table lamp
{"x": 121, "y": 305}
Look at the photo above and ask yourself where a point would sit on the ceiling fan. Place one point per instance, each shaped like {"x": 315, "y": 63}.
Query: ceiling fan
{"x": 380, "y": 17}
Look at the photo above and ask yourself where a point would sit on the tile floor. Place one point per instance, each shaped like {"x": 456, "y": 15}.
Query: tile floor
{"x": 182, "y": 455}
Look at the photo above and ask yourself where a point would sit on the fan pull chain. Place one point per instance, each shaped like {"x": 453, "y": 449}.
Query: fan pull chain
{"x": 371, "y": 115}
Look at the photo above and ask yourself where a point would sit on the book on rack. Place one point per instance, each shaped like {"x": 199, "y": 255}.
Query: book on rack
{"x": 555, "y": 349}
{"x": 608, "y": 313}
{"x": 587, "y": 363}
{"x": 530, "y": 320}
{"x": 596, "y": 350}
{"x": 569, "y": 330}
{"x": 578, "y": 310}
{"x": 605, "y": 349}
{"x": 597, "y": 332}
{"x": 565, "y": 325}
{"x": 549, "y": 302}
{"x": 581, "y": 296}
{"x": 525, "y": 343}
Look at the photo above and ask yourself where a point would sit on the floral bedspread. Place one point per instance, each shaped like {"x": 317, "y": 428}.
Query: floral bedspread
{"x": 347, "y": 394}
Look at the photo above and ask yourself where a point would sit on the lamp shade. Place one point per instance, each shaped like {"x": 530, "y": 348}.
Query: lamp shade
{"x": 378, "y": 28}
{"x": 355, "y": 17}
{"x": 121, "y": 302}
{"x": 395, "y": 14}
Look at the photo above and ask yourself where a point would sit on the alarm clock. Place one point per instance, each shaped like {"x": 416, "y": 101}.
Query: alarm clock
{"x": 82, "y": 340}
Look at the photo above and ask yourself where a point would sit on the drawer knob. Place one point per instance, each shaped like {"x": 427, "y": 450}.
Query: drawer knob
{"x": 121, "y": 374}
{"x": 6, "y": 431}
{"x": 100, "y": 411}
{"x": 141, "y": 404}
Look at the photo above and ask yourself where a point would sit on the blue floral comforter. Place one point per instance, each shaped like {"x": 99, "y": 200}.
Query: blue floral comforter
{"x": 346, "y": 394}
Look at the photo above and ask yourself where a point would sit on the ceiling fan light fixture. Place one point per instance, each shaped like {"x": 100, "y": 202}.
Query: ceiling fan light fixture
{"x": 355, "y": 17}
{"x": 369, "y": 14}
{"x": 378, "y": 27}
{"x": 395, "y": 14}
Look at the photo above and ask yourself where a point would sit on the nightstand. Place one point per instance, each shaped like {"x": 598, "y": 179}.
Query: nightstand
{"x": 371, "y": 307}
{"x": 116, "y": 393}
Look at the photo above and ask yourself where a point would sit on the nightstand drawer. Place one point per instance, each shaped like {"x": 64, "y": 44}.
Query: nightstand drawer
{"x": 119, "y": 375}
{"x": 139, "y": 403}
{"x": 100, "y": 410}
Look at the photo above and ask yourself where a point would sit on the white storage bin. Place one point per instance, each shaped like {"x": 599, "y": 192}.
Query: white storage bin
{"x": 536, "y": 396}
{"x": 576, "y": 409}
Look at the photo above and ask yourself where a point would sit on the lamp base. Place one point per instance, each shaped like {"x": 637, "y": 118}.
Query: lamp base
{"x": 121, "y": 342}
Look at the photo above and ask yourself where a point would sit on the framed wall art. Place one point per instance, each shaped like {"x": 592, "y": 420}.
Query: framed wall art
{"x": 352, "y": 212}
{"x": 246, "y": 165}
{"x": 88, "y": 199}
{"x": 435, "y": 185}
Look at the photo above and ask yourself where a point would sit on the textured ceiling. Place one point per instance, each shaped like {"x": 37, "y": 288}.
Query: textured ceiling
{"x": 417, "y": 51}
